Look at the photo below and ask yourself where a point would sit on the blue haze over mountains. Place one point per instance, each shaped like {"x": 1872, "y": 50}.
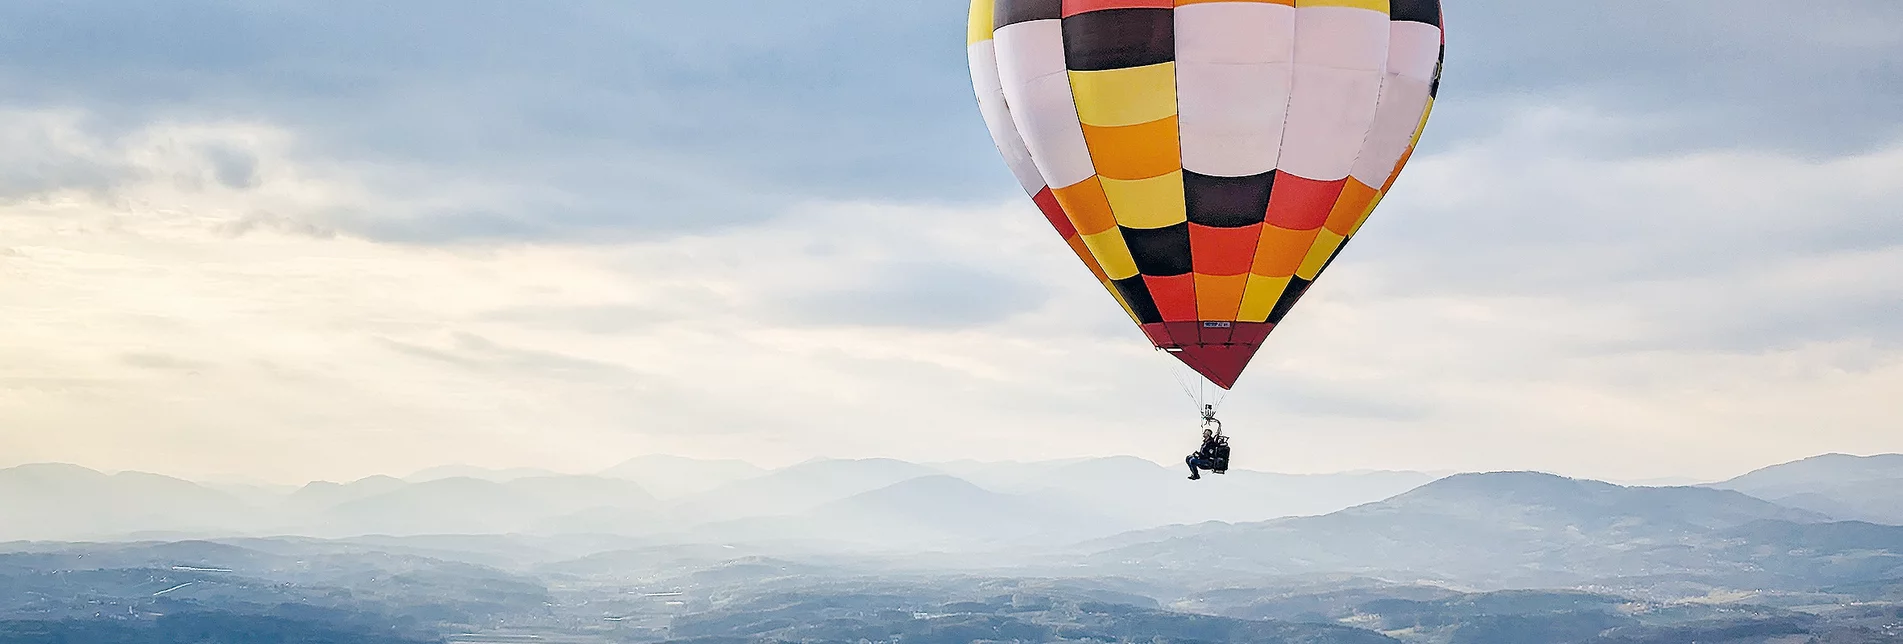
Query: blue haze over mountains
{"x": 1116, "y": 549}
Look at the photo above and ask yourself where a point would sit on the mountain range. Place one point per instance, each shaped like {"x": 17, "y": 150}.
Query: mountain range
{"x": 1507, "y": 529}
{"x": 879, "y": 549}
{"x": 967, "y": 506}
{"x": 696, "y": 500}
{"x": 1868, "y": 488}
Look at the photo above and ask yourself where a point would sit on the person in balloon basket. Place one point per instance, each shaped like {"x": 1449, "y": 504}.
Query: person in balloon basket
{"x": 1213, "y": 456}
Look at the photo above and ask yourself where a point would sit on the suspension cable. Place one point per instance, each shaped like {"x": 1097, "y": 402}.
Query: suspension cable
{"x": 1175, "y": 368}
{"x": 1200, "y": 395}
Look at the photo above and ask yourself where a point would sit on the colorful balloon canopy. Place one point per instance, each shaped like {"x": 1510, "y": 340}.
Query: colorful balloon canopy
{"x": 1206, "y": 159}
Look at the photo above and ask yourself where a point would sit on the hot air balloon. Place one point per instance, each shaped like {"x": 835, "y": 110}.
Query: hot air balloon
{"x": 1207, "y": 160}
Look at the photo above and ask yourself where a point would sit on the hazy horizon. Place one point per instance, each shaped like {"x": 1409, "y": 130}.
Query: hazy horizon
{"x": 674, "y": 551}
{"x": 1802, "y": 553}
{"x": 483, "y": 471}
{"x": 1245, "y": 462}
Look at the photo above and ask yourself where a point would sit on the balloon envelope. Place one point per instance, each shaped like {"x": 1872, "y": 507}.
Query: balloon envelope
{"x": 1206, "y": 159}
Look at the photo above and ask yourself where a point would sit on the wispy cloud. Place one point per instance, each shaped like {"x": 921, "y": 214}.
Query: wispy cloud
{"x": 318, "y": 242}
{"x": 1817, "y": 80}
{"x": 594, "y": 118}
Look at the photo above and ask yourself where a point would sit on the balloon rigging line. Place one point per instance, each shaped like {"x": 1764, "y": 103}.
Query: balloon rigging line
{"x": 1176, "y": 371}
{"x": 1200, "y": 394}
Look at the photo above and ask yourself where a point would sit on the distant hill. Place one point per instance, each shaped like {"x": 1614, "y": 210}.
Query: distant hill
{"x": 1805, "y": 475}
{"x": 674, "y": 476}
{"x": 797, "y": 488}
{"x": 445, "y": 506}
{"x": 472, "y": 506}
{"x": 1500, "y": 528}
{"x": 57, "y": 501}
{"x": 324, "y": 495}
{"x": 1001, "y": 474}
{"x": 1545, "y": 499}
{"x": 153, "y": 579}
{"x": 1862, "y": 488}
{"x": 54, "y": 501}
{"x": 937, "y": 512}
{"x": 1145, "y": 493}
{"x": 365, "y": 589}
{"x": 827, "y": 613}
{"x": 1048, "y": 504}
{"x": 480, "y": 473}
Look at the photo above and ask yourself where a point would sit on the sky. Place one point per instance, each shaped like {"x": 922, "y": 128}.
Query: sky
{"x": 285, "y": 241}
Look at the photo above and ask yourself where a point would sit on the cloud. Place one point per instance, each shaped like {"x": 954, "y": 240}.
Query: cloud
{"x": 605, "y": 319}
{"x": 1634, "y": 232}
{"x": 576, "y": 120}
{"x": 306, "y": 344}
{"x": 477, "y": 353}
{"x": 1740, "y": 249}
{"x": 1817, "y": 80}
{"x": 162, "y": 362}
{"x": 604, "y": 121}
{"x": 916, "y": 296}
{"x": 47, "y": 152}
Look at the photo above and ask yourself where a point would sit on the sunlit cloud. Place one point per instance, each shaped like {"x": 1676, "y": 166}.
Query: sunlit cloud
{"x": 606, "y": 249}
